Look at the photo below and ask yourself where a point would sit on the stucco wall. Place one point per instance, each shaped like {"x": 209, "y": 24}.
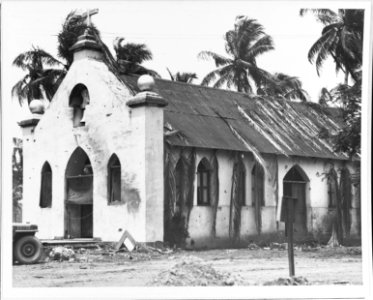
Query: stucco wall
{"x": 201, "y": 218}
{"x": 318, "y": 213}
{"x": 317, "y": 199}
{"x": 111, "y": 127}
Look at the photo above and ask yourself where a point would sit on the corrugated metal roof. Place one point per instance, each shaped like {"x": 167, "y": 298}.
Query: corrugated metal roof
{"x": 220, "y": 119}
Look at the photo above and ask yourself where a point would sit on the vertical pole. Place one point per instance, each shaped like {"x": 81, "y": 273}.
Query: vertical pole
{"x": 290, "y": 220}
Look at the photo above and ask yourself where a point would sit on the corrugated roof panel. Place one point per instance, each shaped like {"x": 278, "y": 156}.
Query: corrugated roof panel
{"x": 207, "y": 118}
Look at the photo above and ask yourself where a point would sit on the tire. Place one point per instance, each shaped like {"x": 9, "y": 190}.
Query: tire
{"x": 28, "y": 250}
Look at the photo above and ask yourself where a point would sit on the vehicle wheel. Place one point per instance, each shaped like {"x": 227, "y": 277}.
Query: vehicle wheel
{"x": 27, "y": 250}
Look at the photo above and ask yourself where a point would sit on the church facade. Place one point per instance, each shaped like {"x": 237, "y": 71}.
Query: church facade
{"x": 167, "y": 161}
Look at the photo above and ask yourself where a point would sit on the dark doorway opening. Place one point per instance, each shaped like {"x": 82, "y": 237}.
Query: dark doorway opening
{"x": 79, "y": 196}
{"x": 294, "y": 185}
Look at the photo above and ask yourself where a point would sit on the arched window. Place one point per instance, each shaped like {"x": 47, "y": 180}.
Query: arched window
{"x": 332, "y": 188}
{"x": 180, "y": 184}
{"x": 257, "y": 185}
{"x": 79, "y": 99}
{"x": 46, "y": 186}
{"x": 114, "y": 179}
{"x": 241, "y": 184}
{"x": 203, "y": 183}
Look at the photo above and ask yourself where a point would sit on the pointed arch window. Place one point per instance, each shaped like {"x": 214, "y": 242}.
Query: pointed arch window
{"x": 114, "y": 179}
{"x": 242, "y": 185}
{"x": 203, "y": 183}
{"x": 180, "y": 185}
{"x": 333, "y": 188}
{"x": 46, "y": 186}
{"x": 257, "y": 185}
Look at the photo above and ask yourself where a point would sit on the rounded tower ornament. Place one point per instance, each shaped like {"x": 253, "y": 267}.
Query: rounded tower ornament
{"x": 145, "y": 83}
{"x": 37, "y": 106}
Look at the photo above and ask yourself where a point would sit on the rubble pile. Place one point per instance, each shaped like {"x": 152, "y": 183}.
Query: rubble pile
{"x": 289, "y": 281}
{"x": 62, "y": 253}
{"x": 193, "y": 271}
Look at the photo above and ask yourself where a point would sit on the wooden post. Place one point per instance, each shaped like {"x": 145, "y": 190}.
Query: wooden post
{"x": 290, "y": 220}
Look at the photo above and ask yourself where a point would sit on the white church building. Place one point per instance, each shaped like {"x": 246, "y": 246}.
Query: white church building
{"x": 115, "y": 152}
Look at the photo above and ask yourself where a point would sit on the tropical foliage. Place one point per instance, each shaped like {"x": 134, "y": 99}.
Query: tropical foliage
{"x": 42, "y": 79}
{"x": 239, "y": 69}
{"x": 341, "y": 38}
{"x": 348, "y": 140}
{"x": 186, "y": 77}
{"x": 74, "y": 26}
{"x": 282, "y": 85}
{"x": 131, "y": 56}
{"x": 44, "y": 72}
{"x": 325, "y": 97}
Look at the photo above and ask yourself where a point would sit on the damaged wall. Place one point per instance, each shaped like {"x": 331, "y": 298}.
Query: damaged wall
{"x": 317, "y": 197}
{"x": 317, "y": 200}
{"x": 201, "y": 219}
{"x": 111, "y": 127}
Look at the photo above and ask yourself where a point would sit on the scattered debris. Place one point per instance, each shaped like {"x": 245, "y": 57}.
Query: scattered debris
{"x": 289, "y": 281}
{"x": 278, "y": 246}
{"x": 341, "y": 282}
{"x": 253, "y": 246}
{"x": 158, "y": 248}
{"x": 127, "y": 240}
{"x": 193, "y": 271}
{"x": 61, "y": 253}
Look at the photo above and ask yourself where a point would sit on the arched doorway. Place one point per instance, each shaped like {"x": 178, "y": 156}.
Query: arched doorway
{"x": 79, "y": 196}
{"x": 294, "y": 184}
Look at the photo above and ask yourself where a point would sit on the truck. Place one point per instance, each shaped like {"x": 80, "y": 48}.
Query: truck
{"x": 27, "y": 248}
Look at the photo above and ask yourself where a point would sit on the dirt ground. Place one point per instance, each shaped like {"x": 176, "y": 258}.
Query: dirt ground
{"x": 259, "y": 266}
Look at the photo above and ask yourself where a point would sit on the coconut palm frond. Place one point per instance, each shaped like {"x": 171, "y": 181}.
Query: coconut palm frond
{"x": 211, "y": 76}
{"x": 219, "y": 59}
{"x": 322, "y": 48}
{"x": 263, "y": 45}
{"x": 171, "y": 76}
{"x": 74, "y": 26}
{"x": 231, "y": 43}
{"x": 295, "y": 94}
{"x": 225, "y": 76}
{"x": 341, "y": 38}
{"x": 243, "y": 44}
{"x": 21, "y": 89}
{"x": 135, "y": 53}
{"x": 186, "y": 77}
{"x": 248, "y": 30}
{"x": 241, "y": 81}
{"x": 325, "y": 16}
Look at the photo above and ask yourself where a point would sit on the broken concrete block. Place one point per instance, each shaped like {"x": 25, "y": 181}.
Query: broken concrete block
{"x": 127, "y": 240}
{"x": 61, "y": 253}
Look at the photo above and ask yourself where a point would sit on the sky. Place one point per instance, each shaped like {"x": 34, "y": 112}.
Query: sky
{"x": 175, "y": 32}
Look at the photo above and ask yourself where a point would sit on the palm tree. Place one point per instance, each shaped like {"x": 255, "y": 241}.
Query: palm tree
{"x": 45, "y": 73}
{"x": 282, "y": 85}
{"x": 186, "y": 77}
{"x": 41, "y": 80}
{"x": 341, "y": 38}
{"x": 130, "y": 56}
{"x": 243, "y": 44}
{"x": 74, "y": 26}
{"x": 325, "y": 97}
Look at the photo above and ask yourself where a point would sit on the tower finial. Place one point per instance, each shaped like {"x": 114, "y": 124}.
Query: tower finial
{"x": 88, "y": 14}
